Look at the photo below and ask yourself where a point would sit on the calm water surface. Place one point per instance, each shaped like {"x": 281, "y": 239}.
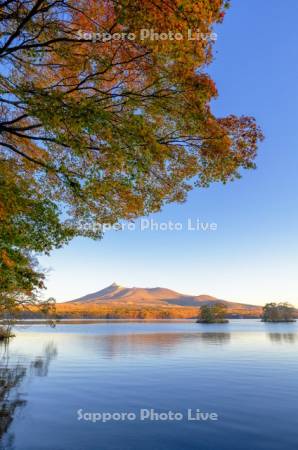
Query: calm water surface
{"x": 245, "y": 371}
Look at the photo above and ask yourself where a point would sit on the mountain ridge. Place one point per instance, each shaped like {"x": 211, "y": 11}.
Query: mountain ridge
{"x": 115, "y": 294}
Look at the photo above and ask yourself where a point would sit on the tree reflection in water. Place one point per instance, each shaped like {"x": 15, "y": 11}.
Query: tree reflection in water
{"x": 111, "y": 346}
{"x": 283, "y": 338}
{"x": 41, "y": 364}
{"x": 12, "y": 376}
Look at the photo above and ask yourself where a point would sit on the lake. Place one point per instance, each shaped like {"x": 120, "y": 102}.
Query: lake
{"x": 157, "y": 385}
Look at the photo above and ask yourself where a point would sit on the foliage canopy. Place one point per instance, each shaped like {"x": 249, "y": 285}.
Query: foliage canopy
{"x": 97, "y": 132}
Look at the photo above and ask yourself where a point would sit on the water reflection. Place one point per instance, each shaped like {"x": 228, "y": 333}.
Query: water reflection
{"x": 283, "y": 338}
{"x": 12, "y": 377}
{"x": 156, "y": 344}
{"x": 216, "y": 338}
{"x": 41, "y": 364}
{"x": 167, "y": 367}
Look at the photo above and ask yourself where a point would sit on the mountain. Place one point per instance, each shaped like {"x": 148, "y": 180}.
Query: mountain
{"x": 118, "y": 295}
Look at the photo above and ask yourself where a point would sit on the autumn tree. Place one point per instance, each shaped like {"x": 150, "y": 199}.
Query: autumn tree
{"x": 99, "y": 130}
{"x": 28, "y": 223}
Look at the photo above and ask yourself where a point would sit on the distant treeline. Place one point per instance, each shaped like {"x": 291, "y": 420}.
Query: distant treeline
{"x": 70, "y": 311}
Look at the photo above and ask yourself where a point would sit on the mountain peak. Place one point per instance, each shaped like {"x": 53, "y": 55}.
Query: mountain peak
{"x": 124, "y": 296}
{"x": 138, "y": 296}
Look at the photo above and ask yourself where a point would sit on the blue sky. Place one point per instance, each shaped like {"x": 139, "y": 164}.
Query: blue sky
{"x": 253, "y": 255}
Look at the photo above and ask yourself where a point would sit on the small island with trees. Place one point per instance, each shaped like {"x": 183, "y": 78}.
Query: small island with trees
{"x": 279, "y": 312}
{"x": 214, "y": 313}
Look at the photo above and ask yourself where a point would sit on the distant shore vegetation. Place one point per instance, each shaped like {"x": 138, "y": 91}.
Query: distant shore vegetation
{"x": 105, "y": 311}
{"x": 217, "y": 312}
